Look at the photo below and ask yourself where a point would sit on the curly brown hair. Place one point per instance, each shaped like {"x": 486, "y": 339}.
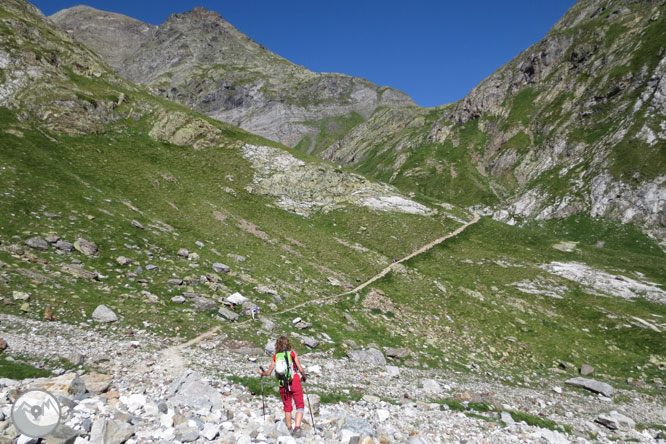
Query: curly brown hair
{"x": 282, "y": 344}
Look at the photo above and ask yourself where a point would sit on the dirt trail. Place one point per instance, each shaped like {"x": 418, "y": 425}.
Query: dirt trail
{"x": 382, "y": 273}
{"x": 173, "y": 361}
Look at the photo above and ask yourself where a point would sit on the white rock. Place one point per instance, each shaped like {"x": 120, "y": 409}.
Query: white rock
{"x": 151, "y": 409}
{"x": 210, "y": 431}
{"x": 288, "y": 440}
{"x": 507, "y": 418}
{"x": 418, "y": 439}
{"x": 104, "y": 314}
{"x": 431, "y": 387}
{"x": 552, "y": 437}
{"x": 410, "y": 412}
{"x": 383, "y": 415}
{"x": 346, "y": 435}
{"x": 316, "y": 369}
{"x": 135, "y": 401}
{"x": 166, "y": 420}
{"x": 392, "y": 371}
{"x": 615, "y": 420}
{"x": 244, "y": 439}
{"x": 371, "y": 399}
{"x": 236, "y": 299}
{"x": 168, "y": 434}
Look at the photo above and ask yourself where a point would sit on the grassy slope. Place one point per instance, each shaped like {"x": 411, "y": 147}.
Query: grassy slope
{"x": 83, "y": 178}
{"x": 128, "y": 166}
{"x": 101, "y": 171}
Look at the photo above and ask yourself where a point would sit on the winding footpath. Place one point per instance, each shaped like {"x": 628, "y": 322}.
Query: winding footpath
{"x": 378, "y": 276}
{"x": 173, "y": 359}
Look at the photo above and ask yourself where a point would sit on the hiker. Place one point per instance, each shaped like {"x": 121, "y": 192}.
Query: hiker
{"x": 285, "y": 362}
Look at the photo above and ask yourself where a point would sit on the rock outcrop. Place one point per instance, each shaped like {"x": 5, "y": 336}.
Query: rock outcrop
{"x": 573, "y": 124}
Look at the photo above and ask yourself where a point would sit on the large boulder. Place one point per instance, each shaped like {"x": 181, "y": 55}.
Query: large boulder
{"x": 236, "y": 299}
{"x": 64, "y": 245}
{"x": 592, "y": 385}
{"x": 267, "y": 324}
{"x": 399, "y": 353}
{"x": 616, "y": 421}
{"x": 203, "y": 303}
{"x": 107, "y": 431}
{"x": 370, "y": 356}
{"x": 309, "y": 341}
{"x": 270, "y": 347}
{"x": 586, "y": 370}
{"x": 97, "y": 383}
{"x": 78, "y": 271}
{"x": 37, "y": 243}
{"x": 221, "y": 268}
{"x": 58, "y": 386}
{"x": 358, "y": 425}
{"x": 85, "y": 247}
{"x": 228, "y": 314}
{"x": 191, "y": 391}
{"x": 104, "y": 314}
{"x": 431, "y": 387}
{"x": 62, "y": 435}
{"x": 312, "y": 404}
{"x": 186, "y": 434}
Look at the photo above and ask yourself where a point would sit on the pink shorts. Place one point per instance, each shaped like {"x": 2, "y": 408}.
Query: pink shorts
{"x": 296, "y": 393}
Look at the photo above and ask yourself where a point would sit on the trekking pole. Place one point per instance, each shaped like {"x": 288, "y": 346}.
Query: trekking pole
{"x": 314, "y": 427}
{"x": 263, "y": 403}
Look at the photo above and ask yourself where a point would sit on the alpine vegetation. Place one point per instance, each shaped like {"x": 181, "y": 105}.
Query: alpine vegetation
{"x": 488, "y": 271}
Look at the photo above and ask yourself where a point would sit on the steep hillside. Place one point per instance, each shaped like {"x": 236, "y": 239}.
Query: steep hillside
{"x": 202, "y": 61}
{"x": 574, "y": 124}
{"x": 113, "y": 196}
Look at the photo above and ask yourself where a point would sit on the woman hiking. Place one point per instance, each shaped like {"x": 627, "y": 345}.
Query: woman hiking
{"x": 285, "y": 362}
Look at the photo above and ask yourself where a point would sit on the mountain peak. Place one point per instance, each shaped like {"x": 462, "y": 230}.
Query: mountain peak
{"x": 199, "y": 13}
{"x": 113, "y": 36}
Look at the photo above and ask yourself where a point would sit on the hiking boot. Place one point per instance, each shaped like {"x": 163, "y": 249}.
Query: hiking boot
{"x": 297, "y": 433}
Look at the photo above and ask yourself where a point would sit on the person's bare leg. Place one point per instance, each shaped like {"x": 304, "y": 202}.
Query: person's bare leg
{"x": 287, "y": 419}
{"x": 299, "y": 418}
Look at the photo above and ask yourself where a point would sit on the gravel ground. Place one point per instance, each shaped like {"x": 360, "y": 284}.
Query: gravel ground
{"x": 393, "y": 408}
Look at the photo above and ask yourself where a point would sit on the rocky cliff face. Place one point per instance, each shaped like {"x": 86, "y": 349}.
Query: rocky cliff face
{"x": 200, "y": 60}
{"x": 573, "y": 124}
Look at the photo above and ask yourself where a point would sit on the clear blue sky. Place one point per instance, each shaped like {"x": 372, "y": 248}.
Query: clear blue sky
{"x": 434, "y": 50}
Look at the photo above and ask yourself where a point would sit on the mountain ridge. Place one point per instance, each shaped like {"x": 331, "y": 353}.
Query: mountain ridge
{"x": 221, "y": 72}
{"x": 534, "y": 153}
{"x": 570, "y": 125}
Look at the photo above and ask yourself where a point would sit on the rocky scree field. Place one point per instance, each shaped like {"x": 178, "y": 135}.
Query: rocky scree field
{"x": 130, "y": 224}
